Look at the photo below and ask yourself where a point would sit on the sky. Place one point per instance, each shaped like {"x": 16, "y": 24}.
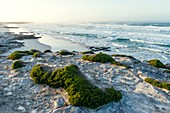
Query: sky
{"x": 84, "y": 10}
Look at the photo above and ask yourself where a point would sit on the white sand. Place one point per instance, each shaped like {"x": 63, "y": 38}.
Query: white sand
{"x": 29, "y": 44}
{"x": 57, "y": 44}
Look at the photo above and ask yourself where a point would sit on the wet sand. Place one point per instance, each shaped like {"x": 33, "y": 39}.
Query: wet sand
{"x": 29, "y": 44}
{"x": 57, "y": 44}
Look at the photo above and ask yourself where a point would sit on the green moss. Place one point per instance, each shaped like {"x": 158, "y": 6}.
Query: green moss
{"x": 15, "y": 55}
{"x": 19, "y": 54}
{"x": 159, "y": 84}
{"x": 37, "y": 54}
{"x": 17, "y": 64}
{"x": 40, "y": 74}
{"x": 47, "y": 51}
{"x": 100, "y": 57}
{"x": 81, "y": 92}
{"x": 156, "y": 63}
{"x": 65, "y": 52}
{"x": 87, "y": 52}
{"x": 103, "y": 58}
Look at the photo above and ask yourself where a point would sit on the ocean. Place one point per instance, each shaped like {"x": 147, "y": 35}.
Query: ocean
{"x": 143, "y": 41}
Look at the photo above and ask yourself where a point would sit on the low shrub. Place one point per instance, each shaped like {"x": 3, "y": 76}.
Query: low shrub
{"x": 14, "y": 56}
{"x": 156, "y": 63}
{"x": 81, "y": 92}
{"x": 103, "y": 58}
{"x": 19, "y": 54}
{"x": 100, "y": 57}
{"x": 17, "y": 64}
{"x": 159, "y": 84}
{"x": 65, "y": 52}
{"x": 47, "y": 51}
{"x": 40, "y": 74}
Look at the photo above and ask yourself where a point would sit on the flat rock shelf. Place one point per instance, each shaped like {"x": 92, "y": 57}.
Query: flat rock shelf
{"x": 18, "y": 92}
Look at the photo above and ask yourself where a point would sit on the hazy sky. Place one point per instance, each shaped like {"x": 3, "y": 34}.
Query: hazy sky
{"x": 84, "y": 10}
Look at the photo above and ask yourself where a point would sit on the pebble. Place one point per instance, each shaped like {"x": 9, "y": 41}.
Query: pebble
{"x": 34, "y": 111}
{"x": 59, "y": 102}
{"x": 8, "y": 94}
{"x": 21, "y": 108}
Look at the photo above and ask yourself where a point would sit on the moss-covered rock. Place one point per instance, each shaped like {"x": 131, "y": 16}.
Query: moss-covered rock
{"x": 65, "y": 52}
{"x": 40, "y": 74}
{"x": 165, "y": 85}
{"x": 156, "y": 63}
{"x": 34, "y": 51}
{"x": 14, "y": 56}
{"x": 81, "y": 92}
{"x": 88, "y": 52}
{"x": 103, "y": 58}
{"x": 17, "y": 64}
{"x": 100, "y": 57}
{"x": 47, "y": 51}
{"x": 19, "y": 54}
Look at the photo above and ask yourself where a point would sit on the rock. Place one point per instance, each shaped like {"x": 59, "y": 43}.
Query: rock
{"x": 156, "y": 63}
{"x": 28, "y": 103}
{"x": 34, "y": 111}
{"x": 59, "y": 102}
{"x": 58, "y": 111}
{"x": 167, "y": 65}
{"x": 24, "y": 81}
{"x": 94, "y": 49}
{"x": 75, "y": 110}
{"x": 21, "y": 108}
{"x": 7, "y": 89}
{"x": 8, "y": 94}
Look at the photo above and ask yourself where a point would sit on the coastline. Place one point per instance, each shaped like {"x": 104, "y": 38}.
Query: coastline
{"x": 21, "y": 94}
{"x": 28, "y": 44}
{"x": 57, "y": 44}
{"x": 18, "y": 93}
{"x": 26, "y": 40}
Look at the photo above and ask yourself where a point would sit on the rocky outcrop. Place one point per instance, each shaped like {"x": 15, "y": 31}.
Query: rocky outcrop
{"x": 18, "y": 93}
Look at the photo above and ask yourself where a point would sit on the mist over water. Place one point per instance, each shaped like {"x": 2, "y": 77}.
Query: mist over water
{"x": 144, "y": 41}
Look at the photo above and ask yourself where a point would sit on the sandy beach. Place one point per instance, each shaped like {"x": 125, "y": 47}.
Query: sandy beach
{"x": 57, "y": 44}
{"x": 43, "y": 43}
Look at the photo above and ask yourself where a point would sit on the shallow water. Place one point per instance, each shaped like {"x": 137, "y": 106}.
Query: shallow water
{"x": 141, "y": 40}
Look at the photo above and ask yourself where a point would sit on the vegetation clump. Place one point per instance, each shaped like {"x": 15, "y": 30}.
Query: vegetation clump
{"x": 37, "y": 54}
{"x": 87, "y": 52}
{"x": 47, "y": 51}
{"x": 156, "y": 63}
{"x": 65, "y": 52}
{"x": 15, "y": 55}
{"x": 81, "y": 92}
{"x": 100, "y": 57}
{"x": 157, "y": 83}
{"x": 40, "y": 74}
{"x": 19, "y": 54}
{"x": 17, "y": 64}
{"x": 103, "y": 58}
